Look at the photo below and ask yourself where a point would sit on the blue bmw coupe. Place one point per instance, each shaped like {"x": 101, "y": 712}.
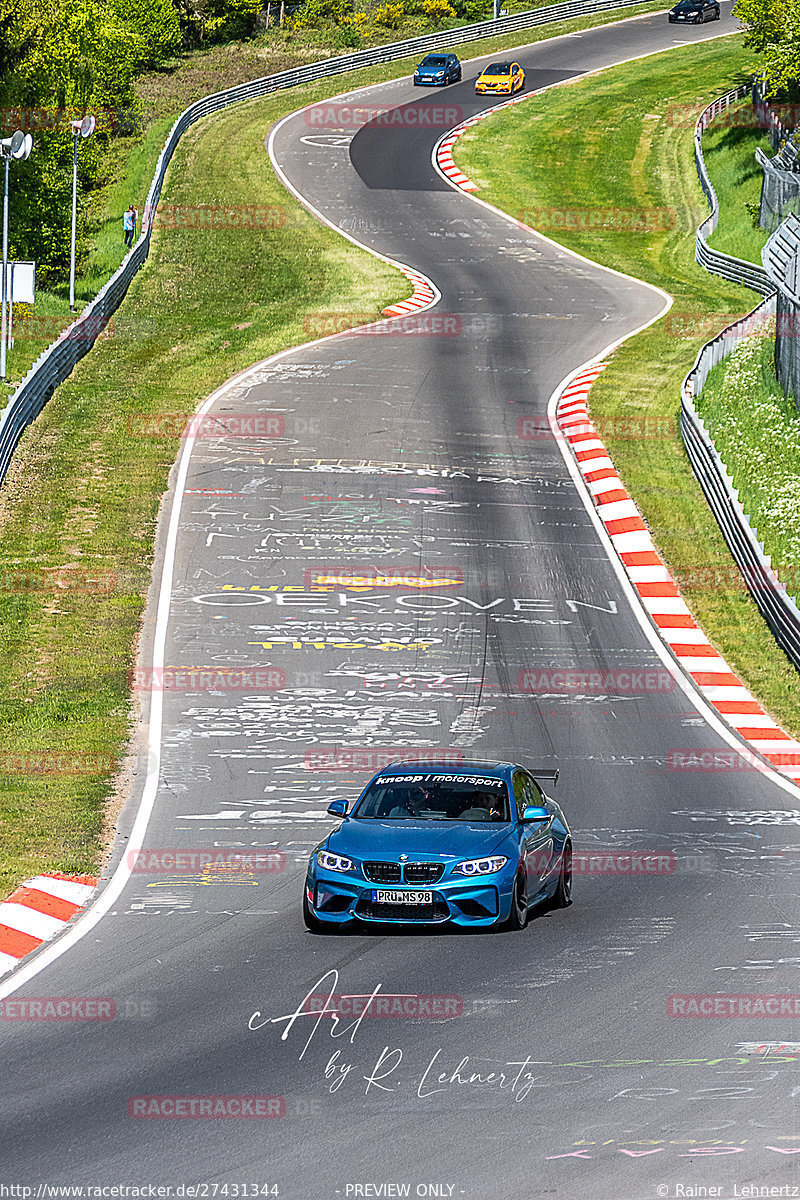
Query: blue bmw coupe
{"x": 474, "y": 844}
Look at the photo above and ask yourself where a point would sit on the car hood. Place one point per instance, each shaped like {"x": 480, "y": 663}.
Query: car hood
{"x": 386, "y": 840}
{"x": 431, "y": 70}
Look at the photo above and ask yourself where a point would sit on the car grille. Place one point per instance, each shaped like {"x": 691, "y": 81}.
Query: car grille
{"x": 422, "y": 872}
{"x": 412, "y": 872}
{"x": 407, "y": 913}
{"x": 382, "y": 872}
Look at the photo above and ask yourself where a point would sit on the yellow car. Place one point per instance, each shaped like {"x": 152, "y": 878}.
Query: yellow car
{"x": 500, "y": 77}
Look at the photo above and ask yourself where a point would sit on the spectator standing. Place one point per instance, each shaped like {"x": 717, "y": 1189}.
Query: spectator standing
{"x": 129, "y": 225}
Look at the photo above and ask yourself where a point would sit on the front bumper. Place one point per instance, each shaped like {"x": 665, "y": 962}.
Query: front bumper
{"x": 337, "y": 899}
{"x": 484, "y": 90}
{"x": 429, "y": 81}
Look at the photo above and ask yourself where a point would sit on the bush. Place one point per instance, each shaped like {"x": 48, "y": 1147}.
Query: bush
{"x": 345, "y": 36}
{"x": 473, "y": 10}
{"x": 437, "y": 11}
{"x": 216, "y": 20}
{"x": 391, "y": 15}
{"x": 314, "y": 14}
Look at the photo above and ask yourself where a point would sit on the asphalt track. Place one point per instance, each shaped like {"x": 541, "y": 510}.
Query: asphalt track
{"x": 400, "y": 453}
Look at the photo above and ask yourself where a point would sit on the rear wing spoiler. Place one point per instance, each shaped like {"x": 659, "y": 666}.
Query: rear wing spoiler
{"x": 550, "y": 776}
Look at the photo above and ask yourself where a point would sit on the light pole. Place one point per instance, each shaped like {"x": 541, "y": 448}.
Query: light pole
{"x": 19, "y": 145}
{"x": 80, "y": 129}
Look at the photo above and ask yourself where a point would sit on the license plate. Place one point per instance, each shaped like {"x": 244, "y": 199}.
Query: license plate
{"x": 383, "y": 897}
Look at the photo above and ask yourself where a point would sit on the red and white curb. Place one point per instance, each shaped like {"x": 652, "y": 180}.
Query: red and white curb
{"x": 657, "y": 590}
{"x": 444, "y": 150}
{"x": 37, "y": 911}
{"x": 423, "y": 295}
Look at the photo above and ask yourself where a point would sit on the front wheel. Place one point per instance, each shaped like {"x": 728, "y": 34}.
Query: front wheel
{"x": 717, "y": 14}
{"x": 562, "y": 897}
{"x": 699, "y": 19}
{"x": 518, "y": 917}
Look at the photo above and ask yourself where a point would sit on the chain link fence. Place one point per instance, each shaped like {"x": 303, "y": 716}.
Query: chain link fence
{"x": 781, "y": 258}
{"x": 780, "y": 187}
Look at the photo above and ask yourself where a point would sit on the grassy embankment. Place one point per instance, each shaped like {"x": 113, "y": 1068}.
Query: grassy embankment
{"x": 624, "y": 142}
{"x": 729, "y": 147}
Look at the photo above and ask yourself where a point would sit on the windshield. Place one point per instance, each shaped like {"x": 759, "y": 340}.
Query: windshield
{"x": 435, "y": 798}
{"x": 688, "y": 5}
{"x": 433, "y": 61}
{"x": 498, "y": 69}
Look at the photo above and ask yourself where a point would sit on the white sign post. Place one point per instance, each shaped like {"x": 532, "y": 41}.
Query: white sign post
{"x": 20, "y": 288}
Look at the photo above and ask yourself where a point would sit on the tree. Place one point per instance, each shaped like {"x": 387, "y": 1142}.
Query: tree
{"x": 217, "y": 20}
{"x": 763, "y": 21}
{"x": 155, "y": 25}
{"x": 62, "y": 59}
{"x": 772, "y": 29}
{"x": 79, "y": 51}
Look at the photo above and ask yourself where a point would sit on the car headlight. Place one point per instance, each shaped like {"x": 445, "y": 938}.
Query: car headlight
{"x": 334, "y": 862}
{"x": 480, "y": 866}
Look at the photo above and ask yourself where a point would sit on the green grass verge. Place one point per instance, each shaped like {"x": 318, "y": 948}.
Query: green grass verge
{"x": 619, "y": 146}
{"x": 757, "y": 432}
{"x": 729, "y": 147}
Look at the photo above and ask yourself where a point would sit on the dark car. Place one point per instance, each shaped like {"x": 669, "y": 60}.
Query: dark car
{"x": 694, "y": 12}
{"x": 436, "y": 70}
{"x": 471, "y": 844}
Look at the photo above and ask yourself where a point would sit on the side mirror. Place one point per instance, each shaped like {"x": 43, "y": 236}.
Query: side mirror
{"x": 533, "y": 812}
{"x": 338, "y": 808}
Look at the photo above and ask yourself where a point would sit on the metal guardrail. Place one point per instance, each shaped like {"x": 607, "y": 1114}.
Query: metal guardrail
{"x": 777, "y": 607}
{"x": 56, "y": 363}
{"x": 735, "y": 270}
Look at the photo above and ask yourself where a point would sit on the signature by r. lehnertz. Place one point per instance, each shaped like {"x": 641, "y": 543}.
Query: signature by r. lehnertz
{"x": 517, "y": 1078}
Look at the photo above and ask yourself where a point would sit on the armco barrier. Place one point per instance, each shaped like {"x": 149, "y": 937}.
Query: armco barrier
{"x": 736, "y": 270}
{"x": 776, "y": 606}
{"x": 55, "y": 364}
